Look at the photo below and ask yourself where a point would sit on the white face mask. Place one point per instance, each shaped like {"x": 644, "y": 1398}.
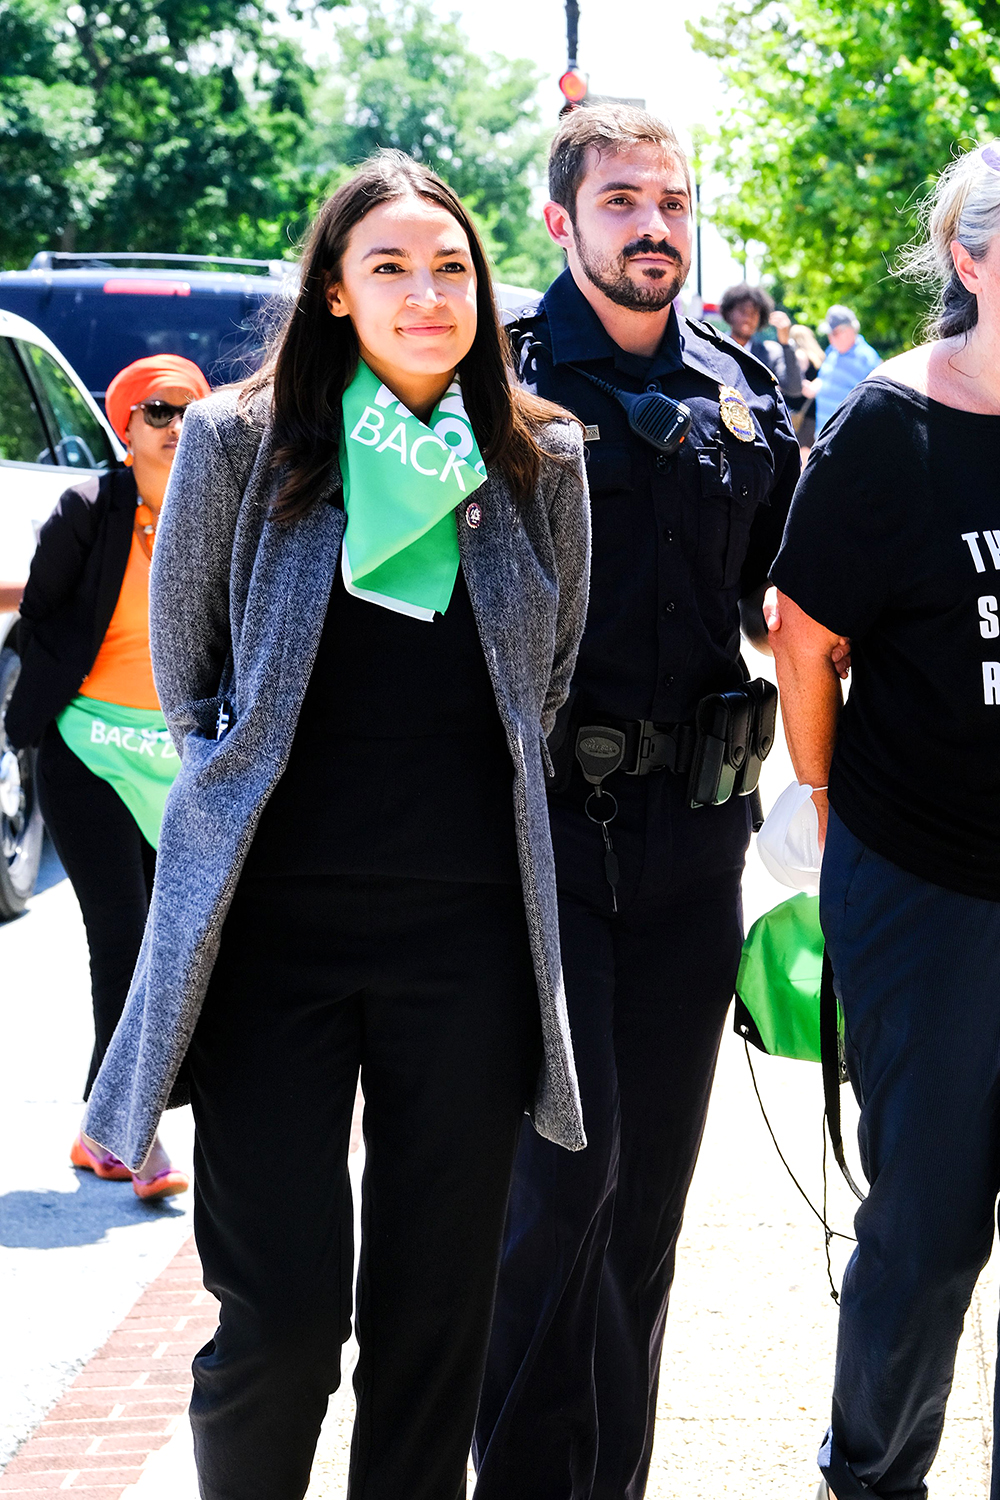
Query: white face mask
{"x": 788, "y": 843}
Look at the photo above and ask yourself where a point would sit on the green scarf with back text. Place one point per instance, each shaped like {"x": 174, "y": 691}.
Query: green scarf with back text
{"x": 131, "y": 749}
{"x": 403, "y": 479}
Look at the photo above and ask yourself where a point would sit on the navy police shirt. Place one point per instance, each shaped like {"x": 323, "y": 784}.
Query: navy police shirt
{"x": 678, "y": 540}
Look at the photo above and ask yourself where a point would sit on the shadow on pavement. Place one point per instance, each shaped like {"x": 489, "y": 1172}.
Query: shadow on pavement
{"x": 52, "y": 1220}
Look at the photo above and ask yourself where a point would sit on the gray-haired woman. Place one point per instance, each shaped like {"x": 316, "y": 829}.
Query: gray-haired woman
{"x": 894, "y": 540}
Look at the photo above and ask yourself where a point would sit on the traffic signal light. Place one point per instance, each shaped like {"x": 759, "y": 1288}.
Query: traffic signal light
{"x": 574, "y": 86}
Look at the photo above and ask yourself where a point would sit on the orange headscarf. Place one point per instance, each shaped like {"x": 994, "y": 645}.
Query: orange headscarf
{"x": 134, "y": 383}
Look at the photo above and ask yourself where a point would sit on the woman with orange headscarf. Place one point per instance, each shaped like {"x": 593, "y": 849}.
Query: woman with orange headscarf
{"x": 86, "y": 697}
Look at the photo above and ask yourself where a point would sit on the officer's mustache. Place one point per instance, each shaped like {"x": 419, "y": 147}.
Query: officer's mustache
{"x": 651, "y": 247}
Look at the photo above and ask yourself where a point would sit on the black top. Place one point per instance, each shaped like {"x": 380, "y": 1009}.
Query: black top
{"x": 678, "y": 540}
{"x": 400, "y": 764}
{"x": 782, "y": 359}
{"x": 73, "y": 586}
{"x": 894, "y": 540}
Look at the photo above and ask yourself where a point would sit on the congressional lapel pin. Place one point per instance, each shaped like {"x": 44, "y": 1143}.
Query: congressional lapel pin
{"x": 473, "y": 514}
{"x": 736, "y": 414}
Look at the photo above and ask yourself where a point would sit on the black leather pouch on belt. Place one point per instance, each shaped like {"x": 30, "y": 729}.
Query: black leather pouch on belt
{"x": 721, "y": 752}
{"x": 734, "y": 735}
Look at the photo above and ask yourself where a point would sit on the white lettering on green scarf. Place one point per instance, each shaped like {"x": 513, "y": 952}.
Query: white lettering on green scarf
{"x": 131, "y": 749}
{"x": 403, "y": 479}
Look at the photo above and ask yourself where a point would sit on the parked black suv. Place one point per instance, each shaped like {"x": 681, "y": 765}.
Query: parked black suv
{"x": 103, "y": 311}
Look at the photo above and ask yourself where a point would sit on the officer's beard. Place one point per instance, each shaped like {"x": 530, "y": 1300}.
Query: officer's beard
{"x": 659, "y": 286}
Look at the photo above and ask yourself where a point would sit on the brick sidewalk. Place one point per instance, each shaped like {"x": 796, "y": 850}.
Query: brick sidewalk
{"x": 128, "y": 1400}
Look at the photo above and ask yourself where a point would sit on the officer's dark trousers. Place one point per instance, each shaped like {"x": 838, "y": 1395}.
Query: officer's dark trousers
{"x": 110, "y": 866}
{"x": 918, "y": 971}
{"x": 568, "y": 1402}
{"x": 428, "y": 988}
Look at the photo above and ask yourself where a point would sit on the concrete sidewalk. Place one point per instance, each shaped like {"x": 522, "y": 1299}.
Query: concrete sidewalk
{"x": 749, "y": 1350}
{"x": 75, "y": 1252}
{"x": 748, "y": 1358}
{"x": 750, "y": 1340}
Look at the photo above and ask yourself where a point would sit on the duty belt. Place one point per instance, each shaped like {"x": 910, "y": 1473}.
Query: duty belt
{"x": 721, "y": 752}
{"x": 635, "y": 746}
{"x": 648, "y": 746}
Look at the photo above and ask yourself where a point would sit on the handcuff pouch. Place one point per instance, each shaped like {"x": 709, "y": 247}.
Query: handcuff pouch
{"x": 722, "y": 726}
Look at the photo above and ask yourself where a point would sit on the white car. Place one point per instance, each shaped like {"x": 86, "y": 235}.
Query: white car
{"x": 50, "y": 429}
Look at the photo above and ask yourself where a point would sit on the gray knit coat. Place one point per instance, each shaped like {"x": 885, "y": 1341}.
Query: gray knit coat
{"x": 237, "y": 605}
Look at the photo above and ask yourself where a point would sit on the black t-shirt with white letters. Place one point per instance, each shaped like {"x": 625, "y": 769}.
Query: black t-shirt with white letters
{"x": 893, "y": 539}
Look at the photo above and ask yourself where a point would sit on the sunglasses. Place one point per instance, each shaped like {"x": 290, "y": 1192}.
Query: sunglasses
{"x": 991, "y": 156}
{"x": 160, "y": 413}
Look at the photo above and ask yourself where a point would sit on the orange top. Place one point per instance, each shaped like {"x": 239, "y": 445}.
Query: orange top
{"x": 123, "y": 672}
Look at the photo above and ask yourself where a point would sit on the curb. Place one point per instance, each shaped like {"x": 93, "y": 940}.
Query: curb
{"x": 128, "y": 1400}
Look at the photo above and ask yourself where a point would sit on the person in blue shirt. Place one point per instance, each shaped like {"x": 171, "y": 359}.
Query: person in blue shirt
{"x": 848, "y": 360}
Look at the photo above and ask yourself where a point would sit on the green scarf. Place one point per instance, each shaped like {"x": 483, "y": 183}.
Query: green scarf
{"x": 131, "y": 749}
{"x": 403, "y": 479}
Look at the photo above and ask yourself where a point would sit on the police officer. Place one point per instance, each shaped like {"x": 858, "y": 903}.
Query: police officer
{"x": 650, "y": 926}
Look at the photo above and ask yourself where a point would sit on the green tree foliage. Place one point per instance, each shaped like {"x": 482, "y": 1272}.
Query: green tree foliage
{"x": 198, "y": 126}
{"x": 841, "y": 114}
{"x": 126, "y": 124}
{"x": 408, "y": 79}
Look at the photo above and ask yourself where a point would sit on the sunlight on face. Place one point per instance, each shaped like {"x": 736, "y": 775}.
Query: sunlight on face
{"x": 982, "y": 278}
{"x": 744, "y": 320}
{"x": 409, "y": 287}
{"x": 631, "y": 226}
{"x": 157, "y": 445}
{"x": 843, "y": 338}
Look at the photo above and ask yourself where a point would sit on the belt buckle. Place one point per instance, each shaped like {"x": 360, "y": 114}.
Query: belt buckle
{"x": 645, "y": 750}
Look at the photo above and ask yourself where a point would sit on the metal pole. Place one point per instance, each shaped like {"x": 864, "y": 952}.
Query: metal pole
{"x": 697, "y": 232}
{"x": 572, "y": 29}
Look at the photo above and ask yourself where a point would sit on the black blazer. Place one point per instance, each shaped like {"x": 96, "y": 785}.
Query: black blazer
{"x": 72, "y": 589}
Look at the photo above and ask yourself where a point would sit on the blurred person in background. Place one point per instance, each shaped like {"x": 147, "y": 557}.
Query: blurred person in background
{"x": 810, "y": 355}
{"x": 893, "y": 539}
{"x": 749, "y": 310}
{"x": 86, "y": 697}
{"x": 847, "y": 361}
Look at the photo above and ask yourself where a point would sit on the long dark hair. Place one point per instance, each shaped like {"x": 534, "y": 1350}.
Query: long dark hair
{"x": 316, "y": 354}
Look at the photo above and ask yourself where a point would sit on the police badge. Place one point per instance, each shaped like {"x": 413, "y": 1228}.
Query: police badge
{"x": 736, "y": 414}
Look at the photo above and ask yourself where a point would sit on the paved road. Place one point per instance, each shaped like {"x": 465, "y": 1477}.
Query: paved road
{"x": 749, "y": 1352}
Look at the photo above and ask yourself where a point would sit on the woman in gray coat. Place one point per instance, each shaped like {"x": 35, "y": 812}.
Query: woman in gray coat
{"x": 367, "y": 596}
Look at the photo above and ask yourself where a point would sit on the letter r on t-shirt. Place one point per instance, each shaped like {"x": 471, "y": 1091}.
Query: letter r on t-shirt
{"x": 991, "y": 681}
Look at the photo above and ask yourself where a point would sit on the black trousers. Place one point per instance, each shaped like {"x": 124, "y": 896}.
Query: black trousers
{"x": 110, "y": 866}
{"x": 569, "y": 1397}
{"x": 917, "y": 968}
{"x": 428, "y": 989}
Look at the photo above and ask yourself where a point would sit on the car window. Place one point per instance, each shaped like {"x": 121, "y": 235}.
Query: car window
{"x": 81, "y": 442}
{"x": 100, "y": 333}
{"x": 22, "y": 431}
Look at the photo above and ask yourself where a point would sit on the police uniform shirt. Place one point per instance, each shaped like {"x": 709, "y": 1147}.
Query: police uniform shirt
{"x": 678, "y": 540}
